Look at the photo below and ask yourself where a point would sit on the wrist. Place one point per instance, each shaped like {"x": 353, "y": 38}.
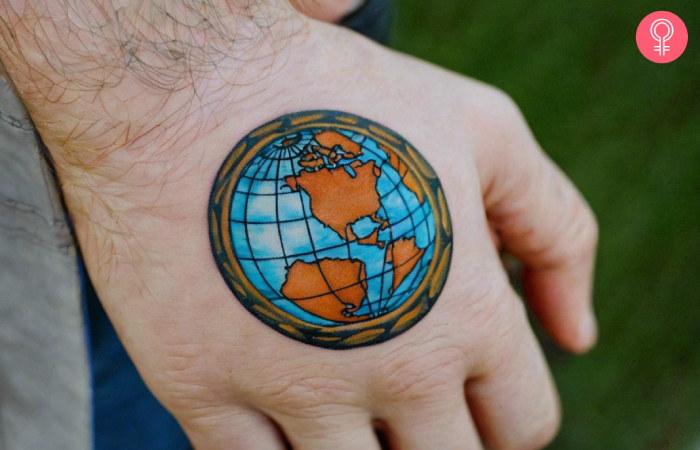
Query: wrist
{"x": 100, "y": 87}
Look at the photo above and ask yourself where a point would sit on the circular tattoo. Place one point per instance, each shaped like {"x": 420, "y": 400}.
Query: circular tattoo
{"x": 331, "y": 229}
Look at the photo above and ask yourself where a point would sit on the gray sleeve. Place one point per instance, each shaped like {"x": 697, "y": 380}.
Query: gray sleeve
{"x": 44, "y": 374}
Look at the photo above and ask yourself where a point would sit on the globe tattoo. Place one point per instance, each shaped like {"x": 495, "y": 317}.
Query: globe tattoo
{"x": 331, "y": 229}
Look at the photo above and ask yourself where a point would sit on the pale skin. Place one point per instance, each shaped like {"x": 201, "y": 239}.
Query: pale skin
{"x": 139, "y": 105}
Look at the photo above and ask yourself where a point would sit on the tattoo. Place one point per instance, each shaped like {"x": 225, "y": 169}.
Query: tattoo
{"x": 331, "y": 229}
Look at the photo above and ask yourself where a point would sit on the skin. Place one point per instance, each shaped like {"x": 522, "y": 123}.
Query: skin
{"x": 326, "y": 10}
{"x": 137, "y": 132}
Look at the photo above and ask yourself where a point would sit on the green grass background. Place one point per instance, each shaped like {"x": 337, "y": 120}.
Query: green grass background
{"x": 627, "y": 131}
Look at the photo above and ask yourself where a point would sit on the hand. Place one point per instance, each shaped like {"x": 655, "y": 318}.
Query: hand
{"x": 139, "y": 110}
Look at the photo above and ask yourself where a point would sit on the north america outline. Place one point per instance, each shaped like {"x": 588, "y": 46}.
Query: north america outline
{"x": 332, "y": 229}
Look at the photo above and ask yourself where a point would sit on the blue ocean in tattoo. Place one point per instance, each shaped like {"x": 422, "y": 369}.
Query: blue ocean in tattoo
{"x": 331, "y": 229}
{"x": 367, "y": 266}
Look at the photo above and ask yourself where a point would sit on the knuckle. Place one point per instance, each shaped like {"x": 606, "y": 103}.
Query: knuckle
{"x": 327, "y": 430}
{"x": 412, "y": 373}
{"x": 307, "y": 392}
{"x": 493, "y": 315}
{"x": 580, "y": 231}
{"x": 203, "y": 420}
{"x": 503, "y": 338}
{"x": 533, "y": 432}
{"x": 591, "y": 231}
{"x": 500, "y": 99}
{"x": 512, "y": 123}
{"x": 570, "y": 235}
{"x": 474, "y": 296}
{"x": 489, "y": 107}
{"x": 500, "y": 304}
{"x": 498, "y": 110}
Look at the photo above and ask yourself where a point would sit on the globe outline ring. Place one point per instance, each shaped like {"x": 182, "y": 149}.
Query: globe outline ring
{"x": 345, "y": 336}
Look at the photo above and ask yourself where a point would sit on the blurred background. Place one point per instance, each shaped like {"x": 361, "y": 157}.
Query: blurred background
{"x": 627, "y": 131}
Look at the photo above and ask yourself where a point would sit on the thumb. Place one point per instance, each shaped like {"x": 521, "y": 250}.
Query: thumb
{"x": 543, "y": 220}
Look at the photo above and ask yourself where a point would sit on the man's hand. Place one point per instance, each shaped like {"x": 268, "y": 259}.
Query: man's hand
{"x": 140, "y": 104}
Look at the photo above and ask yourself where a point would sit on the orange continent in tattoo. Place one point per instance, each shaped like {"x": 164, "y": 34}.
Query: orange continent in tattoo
{"x": 331, "y": 229}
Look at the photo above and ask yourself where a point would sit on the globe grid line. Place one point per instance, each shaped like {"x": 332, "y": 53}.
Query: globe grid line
{"x": 347, "y": 242}
{"x": 332, "y": 247}
{"x": 384, "y": 271}
{"x": 267, "y": 158}
{"x": 339, "y": 245}
{"x": 257, "y": 194}
{"x": 391, "y": 228}
{"x": 277, "y": 214}
{"x": 395, "y": 188}
{"x": 247, "y": 236}
{"x": 426, "y": 286}
{"x": 311, "y": 240}
{"x": 391, "y": 231}
{"x": 313, "y": 247}
{"x": 306, "y": 217}
{"x": 300, "y": 219}
{"x": 413, "y": 225}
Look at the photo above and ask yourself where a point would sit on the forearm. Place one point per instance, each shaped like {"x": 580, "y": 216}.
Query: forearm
{"x": 193, "y": 60}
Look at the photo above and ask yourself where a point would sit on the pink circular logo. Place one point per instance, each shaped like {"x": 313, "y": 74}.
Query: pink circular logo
{"x": 662, "y": 37}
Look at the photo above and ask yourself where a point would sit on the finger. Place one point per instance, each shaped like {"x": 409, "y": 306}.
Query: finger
{"x": 241, "y": 429}
{"x": 332, "y": 431}
{"x": 512, "y": 397}
{"x": 543, "y": 220}
{"x": 554, "y": 233}
{"x": 442, "y": 423}
{"x": 326, "y": 11}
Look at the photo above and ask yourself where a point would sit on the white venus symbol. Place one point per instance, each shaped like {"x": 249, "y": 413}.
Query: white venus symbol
{"x": 662, "y": 48}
